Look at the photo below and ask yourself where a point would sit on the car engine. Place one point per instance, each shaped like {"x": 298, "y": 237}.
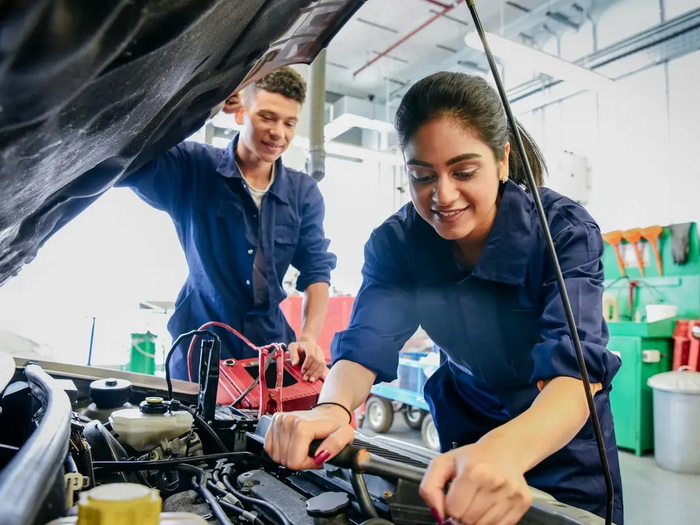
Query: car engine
{"x": 72, "y": 437}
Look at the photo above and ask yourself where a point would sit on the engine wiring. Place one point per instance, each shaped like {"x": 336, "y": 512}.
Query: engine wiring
{"x": 177, "y": 341}
{"x": 190, "y": 350}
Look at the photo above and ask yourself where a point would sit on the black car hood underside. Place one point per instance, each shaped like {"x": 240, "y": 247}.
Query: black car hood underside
{"x": 90, "y": 90}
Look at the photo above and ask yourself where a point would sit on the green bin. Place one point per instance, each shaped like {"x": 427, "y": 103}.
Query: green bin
{"x": 143, "y": 353}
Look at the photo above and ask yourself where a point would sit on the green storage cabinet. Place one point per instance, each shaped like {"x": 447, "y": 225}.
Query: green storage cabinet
{"x": 631, "y": 398}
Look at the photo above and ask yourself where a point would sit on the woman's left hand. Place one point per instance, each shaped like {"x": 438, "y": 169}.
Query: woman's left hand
{"x": 485, "y": 486}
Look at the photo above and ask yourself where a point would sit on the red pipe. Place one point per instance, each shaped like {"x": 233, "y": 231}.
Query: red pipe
{"x": 435, "y": 2}
{"x": 425, "y": 24}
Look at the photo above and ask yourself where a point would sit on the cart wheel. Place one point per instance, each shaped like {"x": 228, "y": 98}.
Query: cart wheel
{"x": 379, "y": 414}
{"x": 429, "y": 434}
{"x": 414, "y": 417}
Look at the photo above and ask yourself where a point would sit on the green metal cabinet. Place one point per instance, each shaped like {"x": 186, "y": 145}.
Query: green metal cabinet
{"x": 631, "y": 398}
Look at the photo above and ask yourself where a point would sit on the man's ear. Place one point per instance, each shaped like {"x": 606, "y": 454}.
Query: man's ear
{"x": 239, "y": 116}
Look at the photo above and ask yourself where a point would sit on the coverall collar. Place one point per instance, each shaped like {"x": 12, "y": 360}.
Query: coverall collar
{"x": 507, "y": 251}
{"x": 228, "y": 168}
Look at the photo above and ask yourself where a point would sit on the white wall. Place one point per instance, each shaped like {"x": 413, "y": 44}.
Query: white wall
{"x": 640, "y": 137}
{"x": 114, "y": 255}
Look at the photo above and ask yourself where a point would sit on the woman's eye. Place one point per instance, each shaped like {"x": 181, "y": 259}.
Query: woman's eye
{"x": 422, "y": 179}
{"x": 265, "y": 117}
{"x": 465, "y": 174}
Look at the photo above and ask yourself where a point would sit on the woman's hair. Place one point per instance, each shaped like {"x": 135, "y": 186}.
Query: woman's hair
{"x": 473, "y": 103}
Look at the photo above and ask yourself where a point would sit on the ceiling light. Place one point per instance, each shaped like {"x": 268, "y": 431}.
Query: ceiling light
{"x": 509, "y": 50}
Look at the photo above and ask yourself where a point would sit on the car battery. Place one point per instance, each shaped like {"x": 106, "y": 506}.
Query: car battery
{"x": 268, "y": 384}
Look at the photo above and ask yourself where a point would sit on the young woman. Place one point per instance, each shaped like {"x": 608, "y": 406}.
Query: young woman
{"x": 467, "y": 260}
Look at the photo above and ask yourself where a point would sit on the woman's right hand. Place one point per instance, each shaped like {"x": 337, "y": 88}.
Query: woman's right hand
{"x": 291, "y": 433}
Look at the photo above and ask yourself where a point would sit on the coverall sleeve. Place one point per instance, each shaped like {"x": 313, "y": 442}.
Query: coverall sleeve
{"x": 580, "y": 249}
{"x": 384, "y": 314}
{"x": 311, "y": 257}
{"x": 162, "y": 182}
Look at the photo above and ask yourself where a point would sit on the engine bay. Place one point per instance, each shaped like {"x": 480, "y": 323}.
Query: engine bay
{"x": 73, "y": 434}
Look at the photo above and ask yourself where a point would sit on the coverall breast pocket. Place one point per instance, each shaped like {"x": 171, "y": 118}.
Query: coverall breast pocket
{"x": 286, "y": 240}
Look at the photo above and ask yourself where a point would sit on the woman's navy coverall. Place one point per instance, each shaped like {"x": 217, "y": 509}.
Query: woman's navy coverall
{"x": 220, "y": 230}
{"x": 501, "y": 328}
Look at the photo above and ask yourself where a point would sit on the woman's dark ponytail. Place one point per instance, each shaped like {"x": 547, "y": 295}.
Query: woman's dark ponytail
{"x": 534, "y": 156}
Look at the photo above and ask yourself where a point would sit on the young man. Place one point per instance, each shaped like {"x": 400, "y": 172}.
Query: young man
{"x": 242, "y": 218}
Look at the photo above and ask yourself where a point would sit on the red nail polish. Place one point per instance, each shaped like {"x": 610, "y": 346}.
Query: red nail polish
{"x": 321, "y": 457}
{"x": 437, "y": 516}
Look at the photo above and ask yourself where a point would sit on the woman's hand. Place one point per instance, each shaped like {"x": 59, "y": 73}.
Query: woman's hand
{"x": 486, "y": 487}
{"x": 291, "y": 434}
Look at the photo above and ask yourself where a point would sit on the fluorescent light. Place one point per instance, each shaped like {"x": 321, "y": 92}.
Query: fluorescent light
{"x": 509, "y": 50}
{"x": 348, "y": 121}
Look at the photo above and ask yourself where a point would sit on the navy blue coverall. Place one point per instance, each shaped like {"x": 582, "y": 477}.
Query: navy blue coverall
{"x": 220, "y": 230}
{"x": 501, "y": 328}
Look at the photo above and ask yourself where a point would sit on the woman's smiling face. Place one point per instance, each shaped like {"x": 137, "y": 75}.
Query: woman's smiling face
{"x": 454, "y": 179}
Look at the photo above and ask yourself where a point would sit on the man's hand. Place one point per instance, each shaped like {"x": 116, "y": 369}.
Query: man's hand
{"x": 233, "y": 103}
{"x": 314, "y": 366}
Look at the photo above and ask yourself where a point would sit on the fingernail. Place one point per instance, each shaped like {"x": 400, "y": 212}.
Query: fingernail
{"x": 321, "y": 457}
{"x": 306, "y": 378}
{"x": 437, "y": 516}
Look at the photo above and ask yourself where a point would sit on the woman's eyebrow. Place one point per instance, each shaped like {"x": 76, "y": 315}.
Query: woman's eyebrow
{"x": 463, "y": 156}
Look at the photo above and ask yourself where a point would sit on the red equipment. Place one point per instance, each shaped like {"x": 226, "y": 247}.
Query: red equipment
{"x": 237, "y": 380}
{"x": 239, "y": 384}
{"x": 686, "y": 345}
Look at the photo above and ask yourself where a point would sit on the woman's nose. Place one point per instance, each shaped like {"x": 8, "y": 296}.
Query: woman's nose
{"x": 445, "y": 191}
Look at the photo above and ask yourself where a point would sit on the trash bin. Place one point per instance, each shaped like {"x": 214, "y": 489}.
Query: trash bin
{"x": 677, "y": 420}
{"x": 143, "y": 353}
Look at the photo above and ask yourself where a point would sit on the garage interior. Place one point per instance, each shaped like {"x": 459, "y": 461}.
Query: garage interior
{"x": 608, "y": 88}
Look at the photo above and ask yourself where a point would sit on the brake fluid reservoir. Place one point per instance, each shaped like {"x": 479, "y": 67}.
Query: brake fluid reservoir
{"x": 143, "y": 428}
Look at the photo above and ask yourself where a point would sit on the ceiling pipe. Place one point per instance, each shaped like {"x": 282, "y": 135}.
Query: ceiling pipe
{"x": 425, "y": 24}
{"x": 435, "y": 2}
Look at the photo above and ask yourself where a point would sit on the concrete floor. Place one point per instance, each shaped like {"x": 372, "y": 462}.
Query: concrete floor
{"x": 653, "y": 496}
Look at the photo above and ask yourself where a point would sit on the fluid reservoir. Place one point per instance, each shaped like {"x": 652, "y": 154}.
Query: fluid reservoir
{"x": 108, "y": 395}
{"x": 125, "y": 504}
{"x": 143, "y": 428}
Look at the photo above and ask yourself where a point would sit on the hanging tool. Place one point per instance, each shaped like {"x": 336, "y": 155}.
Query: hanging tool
{"x": 681, "y": 242}
{"x": 633, "y": 236}
{"x": 614, "y": 239}
{"x": 651, "y": 234}
{"x": 631, "y": 300}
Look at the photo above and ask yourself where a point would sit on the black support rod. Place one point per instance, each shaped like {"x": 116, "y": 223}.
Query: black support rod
{"x": 610, "y": 494}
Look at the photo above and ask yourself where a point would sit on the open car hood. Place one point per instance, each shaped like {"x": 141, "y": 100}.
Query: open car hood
{"x": 92, "y": 90}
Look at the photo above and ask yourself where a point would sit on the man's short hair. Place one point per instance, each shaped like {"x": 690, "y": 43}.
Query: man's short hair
{"x": 284, "y": 81}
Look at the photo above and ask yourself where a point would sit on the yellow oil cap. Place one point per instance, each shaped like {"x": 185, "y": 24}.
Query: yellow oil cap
{"x": 119, "y": 504}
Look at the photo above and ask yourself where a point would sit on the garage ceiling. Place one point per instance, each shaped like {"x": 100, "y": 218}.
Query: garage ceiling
{"x": 389, "y": 44}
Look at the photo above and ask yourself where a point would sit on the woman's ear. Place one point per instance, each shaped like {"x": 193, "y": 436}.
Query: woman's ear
{"x": 504, "y": 165}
